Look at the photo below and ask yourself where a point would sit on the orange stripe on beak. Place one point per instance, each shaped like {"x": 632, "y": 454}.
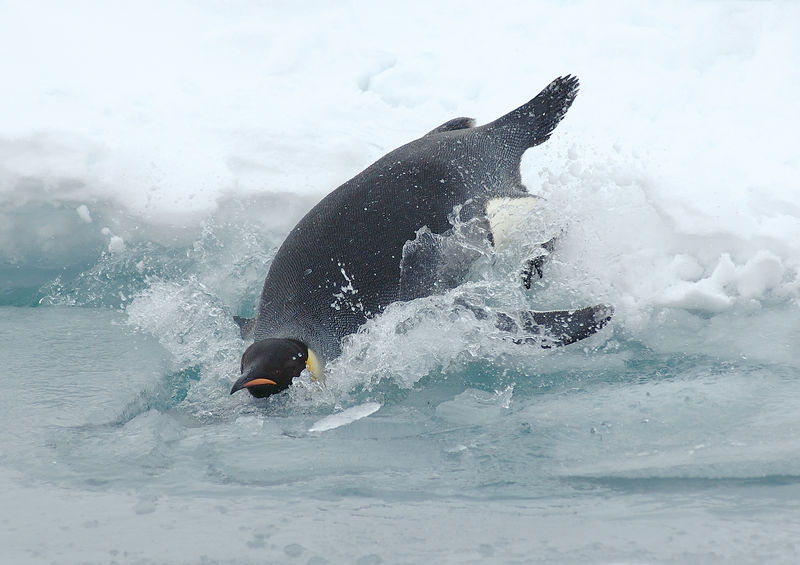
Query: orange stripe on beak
{"x": 256, "y": 382}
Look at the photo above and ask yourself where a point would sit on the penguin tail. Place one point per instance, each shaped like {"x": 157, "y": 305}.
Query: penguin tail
{"x": 534, "y": 122}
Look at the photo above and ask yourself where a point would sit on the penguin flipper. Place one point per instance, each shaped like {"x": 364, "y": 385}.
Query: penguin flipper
{"x": 454, "y": 124}
{"x": 557, "y": 327}
{"x": 434, "y": 263}
{"x": 246, "y": 326}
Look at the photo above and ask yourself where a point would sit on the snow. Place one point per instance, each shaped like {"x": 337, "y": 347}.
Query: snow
{"x": 684, "y": 125}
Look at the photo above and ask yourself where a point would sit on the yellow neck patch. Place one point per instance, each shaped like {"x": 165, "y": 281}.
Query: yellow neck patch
{"x": 314, "y": 365}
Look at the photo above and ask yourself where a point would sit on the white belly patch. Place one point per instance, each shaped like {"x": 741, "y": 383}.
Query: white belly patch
{"x": 506, "y": 215}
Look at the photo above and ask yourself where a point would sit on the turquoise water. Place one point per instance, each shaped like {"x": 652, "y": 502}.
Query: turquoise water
{"x": 120, "y": 441}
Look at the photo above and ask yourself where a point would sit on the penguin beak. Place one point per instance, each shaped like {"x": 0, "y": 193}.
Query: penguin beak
{"x": 247, "y": 380}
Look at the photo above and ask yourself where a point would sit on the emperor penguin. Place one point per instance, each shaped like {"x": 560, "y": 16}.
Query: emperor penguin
{"x": 381, "y": 238}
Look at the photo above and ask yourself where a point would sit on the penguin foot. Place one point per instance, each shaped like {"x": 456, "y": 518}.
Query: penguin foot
{"x": 533, "y": 268}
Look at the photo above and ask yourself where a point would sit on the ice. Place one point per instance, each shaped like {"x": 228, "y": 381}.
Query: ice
{"x": 84, "y": 214}
{"x": 344, "y": 417}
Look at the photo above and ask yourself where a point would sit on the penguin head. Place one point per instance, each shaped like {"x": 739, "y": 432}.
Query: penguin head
{"x": 269, "y": 365}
